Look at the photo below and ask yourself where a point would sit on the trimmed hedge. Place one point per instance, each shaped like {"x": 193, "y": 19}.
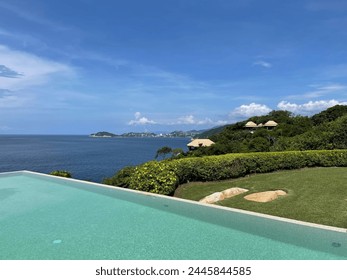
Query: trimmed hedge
{"x": 163, "y": 177}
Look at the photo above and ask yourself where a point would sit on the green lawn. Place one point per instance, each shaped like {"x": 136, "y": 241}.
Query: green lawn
{"x": 317, "y": 195}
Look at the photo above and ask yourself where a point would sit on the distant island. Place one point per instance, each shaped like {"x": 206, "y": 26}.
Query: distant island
{"x": 174, "y": 134}
{"x": 103, "y": 134}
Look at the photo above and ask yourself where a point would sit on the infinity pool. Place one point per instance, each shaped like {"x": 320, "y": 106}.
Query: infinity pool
{"x": 45, "y": 217}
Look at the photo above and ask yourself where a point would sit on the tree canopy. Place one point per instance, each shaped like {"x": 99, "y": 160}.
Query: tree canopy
{"x": 325, "y": 130}
{"x": 163, "y": 152}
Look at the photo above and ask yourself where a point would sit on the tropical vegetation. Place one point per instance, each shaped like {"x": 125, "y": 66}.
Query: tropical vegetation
{"x": 324, "y": 131}
{"x": 297, "y": 142}
{"x": 61, "y": 173}
{"x": 164, "y": 176}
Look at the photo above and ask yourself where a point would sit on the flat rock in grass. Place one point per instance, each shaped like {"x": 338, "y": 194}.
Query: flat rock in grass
{"x": 233, "y": 192}
{"x": 212, "y": 198}
{"x": 218, "y": 196}
{"x": 265, "y": 196}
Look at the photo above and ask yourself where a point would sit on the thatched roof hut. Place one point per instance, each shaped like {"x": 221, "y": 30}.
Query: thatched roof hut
{"x": 196, "y": 143}
{"x": 251, "y": 125}
{"x": 271, "y": 124}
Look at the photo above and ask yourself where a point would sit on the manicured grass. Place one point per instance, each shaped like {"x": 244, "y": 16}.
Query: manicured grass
{"x": 317, "y": 195}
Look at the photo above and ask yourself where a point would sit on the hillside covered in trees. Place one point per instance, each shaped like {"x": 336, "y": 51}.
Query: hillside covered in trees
{"x": 247, "y": 151}
{"x": 325, "y": 130}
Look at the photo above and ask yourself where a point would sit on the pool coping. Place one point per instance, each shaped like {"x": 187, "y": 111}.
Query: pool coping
{"x": 229, "y": 209}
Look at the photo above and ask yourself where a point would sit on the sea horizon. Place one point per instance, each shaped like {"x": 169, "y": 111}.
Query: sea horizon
{"x": 87, "y": 158}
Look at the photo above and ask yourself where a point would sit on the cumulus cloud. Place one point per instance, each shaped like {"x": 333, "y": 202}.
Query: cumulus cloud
{"x": 310, "y": 107}
{"x": 250, "y": 110}
{"x": 139, "y": 120}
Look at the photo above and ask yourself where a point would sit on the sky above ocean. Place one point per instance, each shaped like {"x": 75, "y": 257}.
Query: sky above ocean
{"x": 81, "y": 66}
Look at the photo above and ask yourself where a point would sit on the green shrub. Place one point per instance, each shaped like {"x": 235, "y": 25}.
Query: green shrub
{"x": 212, "y": 168}
{"x": 121, "y": 178}
{"x": 61, "y": 173}
{"x": 163, "y": 177}
{"x": 154, "y": 177}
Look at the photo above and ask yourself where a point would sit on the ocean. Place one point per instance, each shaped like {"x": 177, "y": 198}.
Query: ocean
{"x": 87, "y": 158}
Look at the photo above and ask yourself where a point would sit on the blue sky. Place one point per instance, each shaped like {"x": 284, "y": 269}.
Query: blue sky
{"x": 82, "y": 66}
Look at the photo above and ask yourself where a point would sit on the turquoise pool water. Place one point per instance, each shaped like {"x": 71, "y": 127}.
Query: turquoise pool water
{"x": 44, "y": 217}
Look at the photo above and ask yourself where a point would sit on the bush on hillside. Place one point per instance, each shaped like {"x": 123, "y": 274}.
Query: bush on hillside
{"x": 163, "y": 177}
{"x": 323, "y": 131}
{"x": 153, "y": 177}
{"x": 61, "y": 173}
{"x": 121, "y": 178}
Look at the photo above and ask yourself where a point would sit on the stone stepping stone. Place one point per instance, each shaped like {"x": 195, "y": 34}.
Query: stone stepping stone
{"x": 265, "y": 196}
{"x": 218, "y": 196}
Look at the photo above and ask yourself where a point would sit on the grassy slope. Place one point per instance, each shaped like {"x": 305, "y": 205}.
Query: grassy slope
{"x": 317, "y": 195}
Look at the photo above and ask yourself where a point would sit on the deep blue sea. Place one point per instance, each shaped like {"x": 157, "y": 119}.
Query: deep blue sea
{"x": 87, "y": 158}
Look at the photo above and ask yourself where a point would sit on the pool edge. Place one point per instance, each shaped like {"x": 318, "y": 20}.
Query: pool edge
{"x": 229, "y": 209}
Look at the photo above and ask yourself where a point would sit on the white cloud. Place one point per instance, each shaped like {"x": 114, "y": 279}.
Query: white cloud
{"x": 333, "y": 87}
{"x": 191, "y": 120}
{"x": 320, "y": 90}
{"x": 263, "y": 63}
{"x": 32, "y": 70}
{"x": 137, "y": 115}
{"x": 324, "y": 90}
{"x": 187, "y": 120}
{"x": 139, "y": 120}
{"x": 8, "y": 73}
{"x": 310, "y": 107}
{"x": 24, "y": 75}
{"x": 11, "y": 101}
{"x": 250, "y": 110}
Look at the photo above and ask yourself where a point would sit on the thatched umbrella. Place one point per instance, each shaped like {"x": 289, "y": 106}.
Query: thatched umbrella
{"x": 251, "y": 125}
{"x": 196, "y": 143}
{"x": 271, "y": 124}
